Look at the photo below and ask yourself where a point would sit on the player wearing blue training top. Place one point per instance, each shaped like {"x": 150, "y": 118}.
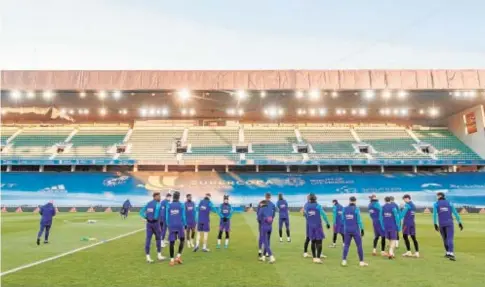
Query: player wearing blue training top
{"x": 163, "y": 211}
{"x": 191, "y": 217}
{"x": 284, "y": 217}
{"x": 409, "y": 226}
{"x": 125, "y": 209}
{"x": 337, "y": 222}
{"x": 47, "y": 212}
{"x": 307, "y": 236}
{"x": 353, "y": 229}
{"x": 443, "y": 212}
{"x": 151, "y": 213}
{"x": 176, "y": 221}
{"x": 271, "y": 206}
{"x": 399, "y": 214}
{"x": 314, "y": 214}
{"x": 265, "y": 220}
{"x": 391, "y": 224}
{"x": 203, "y": 221}
{"x": 225, "y": 214}
{"x": 375, "y": 210}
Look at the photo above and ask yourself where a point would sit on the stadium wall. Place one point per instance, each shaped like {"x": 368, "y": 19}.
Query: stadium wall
{"x": 469, "y": 127}
{"x": 111, "y": 189}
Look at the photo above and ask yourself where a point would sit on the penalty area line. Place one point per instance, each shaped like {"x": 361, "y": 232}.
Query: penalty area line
{"x": 67, "y": 253}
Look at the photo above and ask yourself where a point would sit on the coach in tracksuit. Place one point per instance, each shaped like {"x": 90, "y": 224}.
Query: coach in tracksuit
{"x": 151, "y": 213}
{"x": 47, "y": 212}
{"x": 443, "y": 212}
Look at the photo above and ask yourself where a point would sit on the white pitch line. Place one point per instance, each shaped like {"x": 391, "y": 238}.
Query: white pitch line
{"x": 67, "y": 253}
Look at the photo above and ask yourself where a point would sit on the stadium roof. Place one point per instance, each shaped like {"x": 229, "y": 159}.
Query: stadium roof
{"x": 246, "y": 79}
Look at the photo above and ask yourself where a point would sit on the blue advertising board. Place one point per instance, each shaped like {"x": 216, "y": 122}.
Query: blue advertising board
{"x": 110, "y": 189}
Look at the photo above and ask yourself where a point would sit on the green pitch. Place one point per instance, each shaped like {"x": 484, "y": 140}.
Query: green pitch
{"x": 121, "y": 262}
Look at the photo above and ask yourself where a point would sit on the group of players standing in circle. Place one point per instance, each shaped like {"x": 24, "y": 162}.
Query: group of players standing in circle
{"x": 182, "y": 219}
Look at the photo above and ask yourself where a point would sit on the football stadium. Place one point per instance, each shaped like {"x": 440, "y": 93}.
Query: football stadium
{"x": 242, "y": 143}
{"x": 88, "y": 141}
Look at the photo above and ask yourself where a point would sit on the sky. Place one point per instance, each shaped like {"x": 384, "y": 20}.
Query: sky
{"x": 244, "y": 34}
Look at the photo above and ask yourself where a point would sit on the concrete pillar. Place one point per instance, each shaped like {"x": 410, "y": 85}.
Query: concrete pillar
{"x": 166, "y": 168}
{"x": 9, "y": 168}
{"x": 73, "y": 168}
{"x": 135, "y": 168}
{"x": 350, "y": 168}
{"x": 287, "y": 168}
{"x": 105, "y": 168}
{"x": 227, "y": 168}
{"x": 41, "y": 168}
{"x": 382, "y": 169}
{"x": 415, "y": 169}
{"x": 319, "y": 168}
{"x": 257, "y": 168}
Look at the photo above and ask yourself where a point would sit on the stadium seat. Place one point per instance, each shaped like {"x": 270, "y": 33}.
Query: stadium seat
{"x": 34, "y": 143}
{"x": 153, "y": 143}
{"x": 391, "y": 143}
{"x": 211, "y": 145}
{"x": 94, "y": 142}
{"x": 273, "y": 143}
{"x": 448, "y": 146}
{"x": 330, "y": 143}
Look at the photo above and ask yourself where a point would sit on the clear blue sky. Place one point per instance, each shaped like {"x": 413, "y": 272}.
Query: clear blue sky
{"x": 248, "y": 34}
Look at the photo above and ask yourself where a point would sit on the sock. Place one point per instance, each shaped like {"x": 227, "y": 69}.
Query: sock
{"x": 218, "y": 242}
{"x": 181, "y": 246}
{"x": 334, "y": 238}
{"x": 383, "y": 243}
{"x": 198, "y": 239}
{"x": 227, "y": 241}
{"x": 281, "y": 233}
{"x": 305, "y": 246}
{"x": 206, "y": 234}
{"x": 172, "y": 249}
{"x": 319, "y": 248}
{"x": 407, "y": 243}
{"x": 391, "y": 248}
{"x": 376, "y": 239}
{"x": 179, "y": 255}
{"x": 314, "y": 249}
{"x": 288, "y": 233}
{"x": 415, "y": 241}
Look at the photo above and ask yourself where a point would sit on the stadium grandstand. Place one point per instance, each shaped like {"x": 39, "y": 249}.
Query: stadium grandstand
{"x": 243, "y": 119}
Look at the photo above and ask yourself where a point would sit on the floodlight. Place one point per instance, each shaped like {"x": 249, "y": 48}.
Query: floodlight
{"x": 369, "y": 95}
{"x": 15, "y": 95}
{"x": 314, "y": 95}
{"x": 116, "y": 95}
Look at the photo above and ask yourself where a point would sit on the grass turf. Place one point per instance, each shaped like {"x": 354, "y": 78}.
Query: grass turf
{"x": 122, "y": 262}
